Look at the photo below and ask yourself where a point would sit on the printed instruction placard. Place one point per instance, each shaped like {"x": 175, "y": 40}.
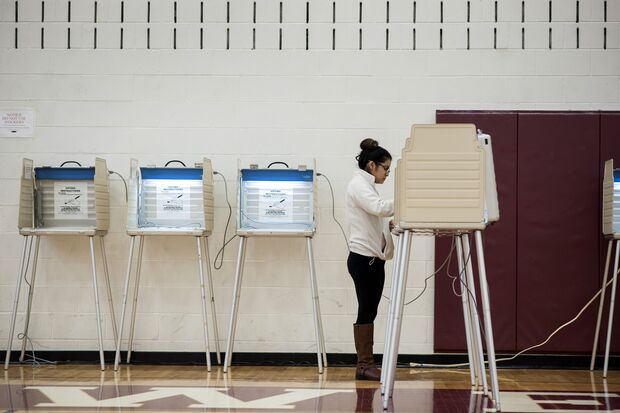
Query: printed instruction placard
{"x": 173, "y": 201}
{"x": 275, "y": 205}
{"x": 17, "y": 123}
{"x": 71, "y": 200}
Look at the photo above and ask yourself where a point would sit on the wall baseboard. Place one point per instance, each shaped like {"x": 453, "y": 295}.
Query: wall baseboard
{"x": 542, "y": 361}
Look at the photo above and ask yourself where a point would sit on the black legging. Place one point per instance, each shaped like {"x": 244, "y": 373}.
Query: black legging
{"x": 368, "y": 274}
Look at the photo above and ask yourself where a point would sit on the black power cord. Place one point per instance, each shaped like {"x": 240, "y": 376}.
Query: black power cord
{"x": 124, "y": 183}
{"x": 220, "y": 253}
{"x": 331, "y": 190}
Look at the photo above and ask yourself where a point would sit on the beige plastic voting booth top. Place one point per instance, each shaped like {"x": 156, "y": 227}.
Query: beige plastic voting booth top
{"x": 441, "y": 180}
{"x": 207, "y": 204}
{"x": 26, "y": 222}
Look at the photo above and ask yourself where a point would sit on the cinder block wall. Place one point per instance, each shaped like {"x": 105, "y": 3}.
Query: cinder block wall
{"x": 261, "y": 81}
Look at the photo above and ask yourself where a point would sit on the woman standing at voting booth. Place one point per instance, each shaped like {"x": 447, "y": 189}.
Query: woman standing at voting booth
{"x": 370, "y": 245}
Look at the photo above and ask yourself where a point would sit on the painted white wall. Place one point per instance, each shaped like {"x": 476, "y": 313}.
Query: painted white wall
{"x": 262, "y": 105}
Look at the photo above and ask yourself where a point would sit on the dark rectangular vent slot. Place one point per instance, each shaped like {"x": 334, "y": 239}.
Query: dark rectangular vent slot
{"x": 441, "y": 12}
{"x": 360, "y": 39}
{"x": 577, "y": 11}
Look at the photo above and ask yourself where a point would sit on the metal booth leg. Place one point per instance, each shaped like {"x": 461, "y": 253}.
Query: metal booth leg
{"x": 398, "y": 312}
{"x": 117, "y": 358}
{"x": 106, "y": 274}
{"x": 235, "y": 304}
{"x": 612, "y": 304}
{"x": 97, "y": 307}
{"x": 204, "y": 301}
{"x": 320, "y": 318}
{"x": 475, "y": 317}
{"x": 385, "y": 362}
{"x": 16, "y": 302}
{"x": 321, "y": 331}
{"x": 315, "y": 303}
{"x": 473, "y": 364}
{"x": 486, "y": 308}
{"x": 601, "y": 304}
{"x": 474, "y": 402}
{"x": 216, "y": 334}
{"x": 135, "y": 298}
{"x": 33, "y": 277}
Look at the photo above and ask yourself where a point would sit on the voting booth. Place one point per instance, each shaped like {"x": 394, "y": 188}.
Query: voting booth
{"x": 611, "y": 231}
{"x": 276, "y": 201}
{"x": 445, "y": 186}
{"x": 57, "y": 201}
{"x": 170, "y": 201}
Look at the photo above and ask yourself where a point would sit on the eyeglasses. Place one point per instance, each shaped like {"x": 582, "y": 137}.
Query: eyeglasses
{"x": 385, "y": 168}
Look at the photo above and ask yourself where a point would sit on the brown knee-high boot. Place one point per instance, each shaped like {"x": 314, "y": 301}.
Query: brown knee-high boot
{"x": 366, "y": 369}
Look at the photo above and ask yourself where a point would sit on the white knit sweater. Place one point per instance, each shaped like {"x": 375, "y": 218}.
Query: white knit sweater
{"x": 368, "y": 215}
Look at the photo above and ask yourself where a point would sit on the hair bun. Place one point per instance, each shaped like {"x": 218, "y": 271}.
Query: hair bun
{"x": 369, "y": 144}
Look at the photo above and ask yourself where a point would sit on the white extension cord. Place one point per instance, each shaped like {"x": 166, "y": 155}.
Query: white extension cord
{"x": 529, "y": 348}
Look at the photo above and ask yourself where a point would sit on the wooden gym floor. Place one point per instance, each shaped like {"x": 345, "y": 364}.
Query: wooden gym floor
{"x": 84, "y": 388}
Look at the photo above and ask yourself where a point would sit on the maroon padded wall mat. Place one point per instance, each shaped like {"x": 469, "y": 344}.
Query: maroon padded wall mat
{"x": 558, "y": 228}
{"x": 499, "y": 243}
{"x": 545, "y": 257}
